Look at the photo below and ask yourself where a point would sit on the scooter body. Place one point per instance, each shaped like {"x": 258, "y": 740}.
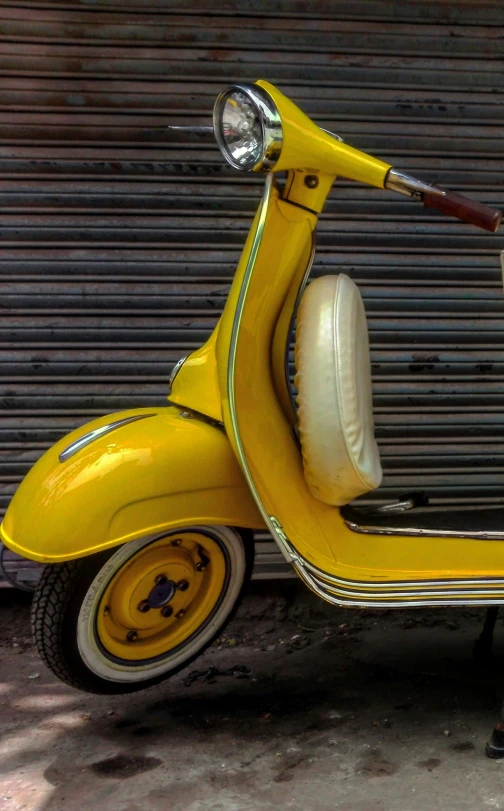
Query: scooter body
{"x": 231, "y": 450}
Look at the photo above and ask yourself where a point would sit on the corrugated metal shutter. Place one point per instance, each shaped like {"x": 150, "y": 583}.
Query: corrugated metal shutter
{"x": 118, "y": 242}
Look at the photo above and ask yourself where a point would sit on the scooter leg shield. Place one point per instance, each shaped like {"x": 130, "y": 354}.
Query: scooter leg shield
{"x": 123, "y": 477}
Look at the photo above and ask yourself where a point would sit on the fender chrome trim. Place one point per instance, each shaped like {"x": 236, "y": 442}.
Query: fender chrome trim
{"x": 96, "y": 433}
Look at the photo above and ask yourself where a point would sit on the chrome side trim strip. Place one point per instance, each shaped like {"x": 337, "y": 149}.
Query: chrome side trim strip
{"x": 477, "y": 535}
{"x": 96, "y": 433}
{"x": 256, "y": 242}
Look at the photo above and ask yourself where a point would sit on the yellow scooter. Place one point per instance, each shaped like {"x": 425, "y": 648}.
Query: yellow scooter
{"x": 145, "y": 518}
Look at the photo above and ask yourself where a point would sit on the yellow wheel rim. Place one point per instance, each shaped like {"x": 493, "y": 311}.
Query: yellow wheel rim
{"x": 161, "y": 596}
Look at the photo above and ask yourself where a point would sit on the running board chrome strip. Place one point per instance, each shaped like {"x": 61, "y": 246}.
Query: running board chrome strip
{"x": 411, "y": 586}
{"x": 337, "y": 597}
{"x": 391, "y": 594}
{"x": 395, "y": 594}
{"x": 477, "y": 535}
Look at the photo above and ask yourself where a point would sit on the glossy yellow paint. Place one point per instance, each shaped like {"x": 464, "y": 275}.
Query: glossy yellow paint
{"x": 273, "y": 458}
{"x": 279, "y": 344}
{"x": 298, "y": 193}
{"x": 156, "y": 474}
{"x": 176, "y": 559}
{"x": 208, "y": 395}
{"x": 287, "y": 237}
{"x": 201, "y": 381}
{"x": 305, "y": 146}
{"x": 196, "y": 385}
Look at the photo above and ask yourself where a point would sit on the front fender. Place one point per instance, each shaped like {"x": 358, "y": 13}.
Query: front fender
{"x": 155, "y": 472}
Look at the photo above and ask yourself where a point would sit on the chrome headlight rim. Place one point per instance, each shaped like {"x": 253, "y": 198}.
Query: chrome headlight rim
{"x": 271, "y": 125}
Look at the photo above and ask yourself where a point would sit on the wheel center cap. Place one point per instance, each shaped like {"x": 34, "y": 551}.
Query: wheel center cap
{"x": 161, "y": 594}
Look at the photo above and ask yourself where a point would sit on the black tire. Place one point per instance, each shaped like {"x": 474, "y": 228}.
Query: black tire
{"x": 57, "y": 602}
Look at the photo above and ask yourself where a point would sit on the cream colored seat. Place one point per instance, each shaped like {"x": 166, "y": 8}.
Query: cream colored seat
{"x": 340, "y": 455}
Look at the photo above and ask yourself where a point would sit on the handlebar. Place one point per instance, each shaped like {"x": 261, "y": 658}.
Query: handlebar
{"x": 456, "y": 205}
{"x": 451, "y": 203}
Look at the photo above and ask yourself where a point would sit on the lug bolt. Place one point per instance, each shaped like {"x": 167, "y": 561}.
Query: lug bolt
{"x": 182, "y": 585}
{"x": 180, "y": 614}
{"x": 166, "y": 611}
{"x": 161, "y": 579}
{"x": 132, "y": 636}
{"x": 106, "y": 610}
{"x": 200, "y": 567}
{"x": 311, "y": 181}
{"x": 144, "y": 606}
{"x": 176, "y": 542}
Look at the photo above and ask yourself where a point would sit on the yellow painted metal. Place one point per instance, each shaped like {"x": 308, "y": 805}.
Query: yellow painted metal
{"x": 306, "y": 146}
{"x": 294, "y": 227}
{"x": 279, "y": 344}
{"x": 297, "y": 192}
{"x": 176, "y": 559}
{"x": 270, "y": 453}
{"x": 156, "y": 474}
{"x": 201, "y": 382}
{"x": 196, "y": 385}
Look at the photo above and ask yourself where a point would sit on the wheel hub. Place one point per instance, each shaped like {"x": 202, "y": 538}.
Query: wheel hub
{"x": 161, "y": 594}
{"x": 167, "y": 591}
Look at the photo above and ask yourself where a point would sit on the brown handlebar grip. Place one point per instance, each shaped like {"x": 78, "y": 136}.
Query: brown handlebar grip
{"x": 465, "y": 209}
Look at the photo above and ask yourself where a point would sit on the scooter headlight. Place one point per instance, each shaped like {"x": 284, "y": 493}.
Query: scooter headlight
{"x": 248, "y": 128}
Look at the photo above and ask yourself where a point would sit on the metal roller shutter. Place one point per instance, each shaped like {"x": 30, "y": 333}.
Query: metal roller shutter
{"x": 118, "y": 240}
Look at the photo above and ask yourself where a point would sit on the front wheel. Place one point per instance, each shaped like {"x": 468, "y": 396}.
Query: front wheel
{"x": 124, "y": 619}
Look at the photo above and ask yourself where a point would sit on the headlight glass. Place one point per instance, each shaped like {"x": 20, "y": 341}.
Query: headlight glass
{"x": 248, "y": 128}
{"x": 242, "y": 130}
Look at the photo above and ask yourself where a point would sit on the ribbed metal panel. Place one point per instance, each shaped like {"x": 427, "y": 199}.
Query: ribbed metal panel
{"x": 118, "y": 240}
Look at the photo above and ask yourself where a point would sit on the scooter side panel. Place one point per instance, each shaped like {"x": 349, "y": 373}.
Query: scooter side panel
{"x": 305, "y": 528}
{"x": 158, "y": 472}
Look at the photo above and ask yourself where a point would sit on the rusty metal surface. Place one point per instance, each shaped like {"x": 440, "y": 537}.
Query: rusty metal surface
{"x": 119, "y": 238}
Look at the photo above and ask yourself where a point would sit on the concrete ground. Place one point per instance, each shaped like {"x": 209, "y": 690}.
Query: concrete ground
{"x": 298, "y": 706}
